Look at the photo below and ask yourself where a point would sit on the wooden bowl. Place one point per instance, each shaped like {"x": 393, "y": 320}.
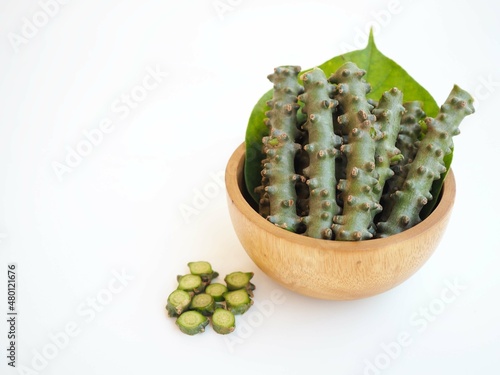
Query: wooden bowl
{"x": 334, "y": 270}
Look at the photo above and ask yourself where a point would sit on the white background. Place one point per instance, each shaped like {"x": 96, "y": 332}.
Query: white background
{"x": 119, "y": 210}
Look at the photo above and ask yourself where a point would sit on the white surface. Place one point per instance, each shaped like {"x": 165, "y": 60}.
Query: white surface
{"x": 119, "y": 210}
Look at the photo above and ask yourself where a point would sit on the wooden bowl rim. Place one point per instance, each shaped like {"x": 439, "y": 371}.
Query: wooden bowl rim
{"x": 235, "y": 167}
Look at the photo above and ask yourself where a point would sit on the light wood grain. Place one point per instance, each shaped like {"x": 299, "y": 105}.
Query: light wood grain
{"x": 335, "y": 270}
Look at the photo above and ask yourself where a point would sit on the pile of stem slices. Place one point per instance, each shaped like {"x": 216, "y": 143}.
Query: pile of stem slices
{"x": 198, "y": 301}
{"x": 338, "y": 164}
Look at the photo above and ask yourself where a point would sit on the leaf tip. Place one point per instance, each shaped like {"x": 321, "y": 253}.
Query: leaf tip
{"x": 371, "y": 39}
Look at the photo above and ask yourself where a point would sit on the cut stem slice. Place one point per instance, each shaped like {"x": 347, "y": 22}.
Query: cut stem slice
{"x": 223, "y": 321}
{"x": 240, "y": 280}
{"x": 192, "y": 322}
{"x": 203, "y": 303}
{"x": 178, "y": 301}
{"x": 191, "y": 283}
{"x": 216, "y": 290}
{"x": 202, "y": 269}
{"x": 238, "y": 301}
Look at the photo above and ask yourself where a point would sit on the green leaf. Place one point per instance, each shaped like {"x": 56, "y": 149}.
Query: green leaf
{"x": 382, "y": 74}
